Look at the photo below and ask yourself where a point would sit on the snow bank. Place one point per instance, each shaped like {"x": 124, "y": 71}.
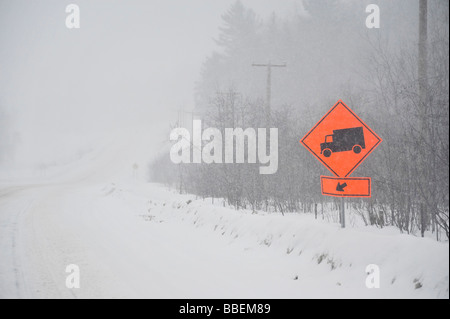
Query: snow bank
{"x": 410, "y": 267}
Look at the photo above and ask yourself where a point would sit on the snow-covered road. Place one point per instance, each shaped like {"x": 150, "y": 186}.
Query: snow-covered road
{"x": 121, "y": 251}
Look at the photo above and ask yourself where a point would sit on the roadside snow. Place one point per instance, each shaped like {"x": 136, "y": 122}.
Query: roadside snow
{"x": 310, "y": 257}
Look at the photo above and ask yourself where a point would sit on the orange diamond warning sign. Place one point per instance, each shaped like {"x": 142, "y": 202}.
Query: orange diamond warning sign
{"x": 341, "y": 140}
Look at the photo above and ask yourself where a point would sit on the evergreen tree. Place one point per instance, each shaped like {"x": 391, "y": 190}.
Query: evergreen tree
{"x": 239, "y": 28}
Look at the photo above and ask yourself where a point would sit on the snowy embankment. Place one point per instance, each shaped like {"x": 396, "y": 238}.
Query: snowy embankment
{"x": 329, "y": 261}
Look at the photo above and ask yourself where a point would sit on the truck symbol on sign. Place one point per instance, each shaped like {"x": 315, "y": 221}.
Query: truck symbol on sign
{"x": 349, "y": 139}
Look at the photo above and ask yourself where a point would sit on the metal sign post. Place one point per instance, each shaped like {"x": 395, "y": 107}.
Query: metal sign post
{"x": 342, "y": 212}
{"x": 342, "y": 141}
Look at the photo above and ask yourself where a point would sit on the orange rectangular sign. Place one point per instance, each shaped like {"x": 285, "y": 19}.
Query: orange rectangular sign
{"x": 346, "y": 187}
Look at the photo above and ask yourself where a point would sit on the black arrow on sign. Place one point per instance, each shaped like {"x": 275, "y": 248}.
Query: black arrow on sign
{"x": 340, "y": 188}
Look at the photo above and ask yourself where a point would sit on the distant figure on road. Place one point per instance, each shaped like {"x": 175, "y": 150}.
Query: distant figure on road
{"x": 135, "y": 170}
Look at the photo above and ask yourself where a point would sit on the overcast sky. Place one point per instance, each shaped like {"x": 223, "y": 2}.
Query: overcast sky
{"x": 130, "y": 61}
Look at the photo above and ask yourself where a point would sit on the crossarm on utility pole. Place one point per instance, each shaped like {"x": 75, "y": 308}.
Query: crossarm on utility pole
{"x": 271, "y": 65}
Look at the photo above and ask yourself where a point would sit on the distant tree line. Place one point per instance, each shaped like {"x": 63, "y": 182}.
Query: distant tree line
{"x": 375, "y": 74}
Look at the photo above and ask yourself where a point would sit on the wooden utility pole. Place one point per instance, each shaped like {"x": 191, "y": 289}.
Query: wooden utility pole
{"x": 423, "y": 96}
{"x": 423, "y": 67}
{"x": 269, "y": 67}
{"x": 423, "y": 58}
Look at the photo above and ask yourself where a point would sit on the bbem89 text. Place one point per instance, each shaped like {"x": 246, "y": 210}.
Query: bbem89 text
{"x": 246, "y": 308}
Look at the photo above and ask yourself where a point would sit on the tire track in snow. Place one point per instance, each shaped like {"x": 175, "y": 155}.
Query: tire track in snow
{"x": 19, "y": 279}
{"x": 14, "y": 205}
